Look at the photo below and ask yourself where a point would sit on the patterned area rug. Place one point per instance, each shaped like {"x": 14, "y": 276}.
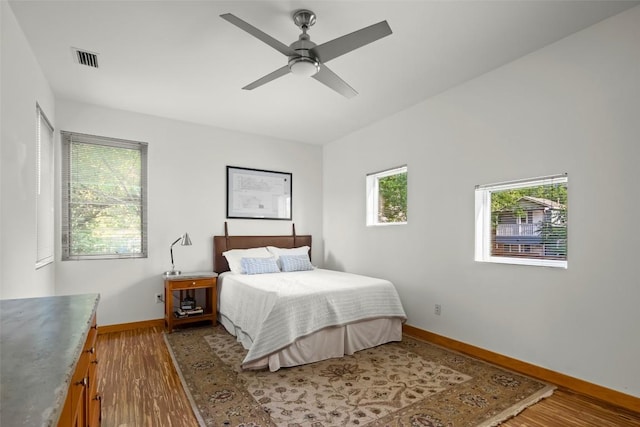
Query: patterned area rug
{"x": 411, "y": 383}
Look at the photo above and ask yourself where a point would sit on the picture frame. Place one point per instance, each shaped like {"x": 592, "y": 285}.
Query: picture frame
{"x": 258, "y": 194}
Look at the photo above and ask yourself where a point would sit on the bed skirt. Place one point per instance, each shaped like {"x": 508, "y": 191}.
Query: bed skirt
{"x": 335, "y": 341}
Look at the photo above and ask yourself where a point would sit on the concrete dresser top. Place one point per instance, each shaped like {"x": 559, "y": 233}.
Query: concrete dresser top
{"x": 40, "y": 344}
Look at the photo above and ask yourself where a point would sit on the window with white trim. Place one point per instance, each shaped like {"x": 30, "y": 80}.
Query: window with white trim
{"x": 523, "y": 222}
{"x": 44, "y": 190}
{"x": 104, "y": 197}
{"x": 387, "y": 197}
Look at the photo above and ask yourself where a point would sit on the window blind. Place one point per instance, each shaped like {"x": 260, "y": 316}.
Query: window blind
{"x": 104, "y": 197}
{"x": 44, "y": 190}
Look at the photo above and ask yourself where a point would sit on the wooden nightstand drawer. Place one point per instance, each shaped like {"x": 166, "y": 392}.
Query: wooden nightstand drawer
{"x": 192, "y": 283}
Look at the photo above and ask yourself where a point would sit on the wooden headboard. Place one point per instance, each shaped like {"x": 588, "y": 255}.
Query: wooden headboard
{"x": 227, "y": 242}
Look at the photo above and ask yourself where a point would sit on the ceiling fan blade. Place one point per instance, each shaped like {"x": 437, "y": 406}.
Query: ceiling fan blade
{"x": 331, "y": 79}
{"x": 283, "y": 71}
{"x": 259, "y": 34}
{"x": 337, "y": 47}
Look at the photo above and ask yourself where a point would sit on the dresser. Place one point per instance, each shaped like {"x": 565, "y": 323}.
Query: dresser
{"x": 48, "y": 361}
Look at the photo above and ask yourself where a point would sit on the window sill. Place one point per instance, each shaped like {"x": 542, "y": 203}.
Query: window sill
{"x": 386, "y": 224}
{"x": 526, "y": 261}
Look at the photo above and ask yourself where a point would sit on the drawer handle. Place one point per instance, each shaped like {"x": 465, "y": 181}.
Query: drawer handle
{"x": 83, "y": 382}
{"x": 95, "y": 361}
{"x": 94, "y": 327}
{"x": 92, "y": 350}
{"x": 99, "y": 399}
{"x": 193, "y": 283}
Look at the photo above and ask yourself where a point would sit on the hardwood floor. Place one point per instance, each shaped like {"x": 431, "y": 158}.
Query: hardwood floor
{"x": 140, "y": 387}
{"x": 568, "y": 409}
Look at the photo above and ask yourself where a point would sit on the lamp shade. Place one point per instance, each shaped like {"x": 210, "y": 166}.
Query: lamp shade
{"x": 185, "y": 241}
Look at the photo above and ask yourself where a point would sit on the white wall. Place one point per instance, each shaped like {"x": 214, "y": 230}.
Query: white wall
{"x": 187, "y": 193}
{"x": 23, "y": 85}
{"x": 572, "y": 107}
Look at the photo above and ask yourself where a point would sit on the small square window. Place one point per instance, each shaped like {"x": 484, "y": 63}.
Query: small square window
{"x": 523, "y": 222}
{"x": 387, "y": 197}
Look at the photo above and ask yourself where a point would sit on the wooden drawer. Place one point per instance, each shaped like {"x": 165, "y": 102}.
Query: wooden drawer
{"x": 192, "y": 283}
{"x": 92, "y": 338}
{"x": 79, "y": 390}
{"x": 94, "y": 398}
{"x": 79, "y": 405}
{"x": 82, "y": 405}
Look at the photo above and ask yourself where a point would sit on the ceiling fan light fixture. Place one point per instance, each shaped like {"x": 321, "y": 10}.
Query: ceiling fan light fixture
{"x": 304, "y": 66}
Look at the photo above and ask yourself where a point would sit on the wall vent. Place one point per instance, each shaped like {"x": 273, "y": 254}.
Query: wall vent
{"x": 84, "y": 57}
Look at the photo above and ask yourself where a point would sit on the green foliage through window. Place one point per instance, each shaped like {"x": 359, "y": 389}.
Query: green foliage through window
{"x": 393, "y": 198}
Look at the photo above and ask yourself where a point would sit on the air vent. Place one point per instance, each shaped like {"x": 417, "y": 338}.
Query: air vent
{"x": 87, "y": 58}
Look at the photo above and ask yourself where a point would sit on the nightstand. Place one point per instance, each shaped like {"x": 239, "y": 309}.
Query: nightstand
{"x": 189, "y": 298}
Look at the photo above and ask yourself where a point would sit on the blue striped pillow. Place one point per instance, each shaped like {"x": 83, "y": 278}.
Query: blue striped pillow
{"x": 295, "y": 263}
{"x": 259, "y": 265}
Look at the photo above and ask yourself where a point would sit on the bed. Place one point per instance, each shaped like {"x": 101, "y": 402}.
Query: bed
{"x": 298, "y": 316}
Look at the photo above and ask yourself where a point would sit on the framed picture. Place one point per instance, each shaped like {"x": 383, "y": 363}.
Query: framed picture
{"x": 258, "y": 194}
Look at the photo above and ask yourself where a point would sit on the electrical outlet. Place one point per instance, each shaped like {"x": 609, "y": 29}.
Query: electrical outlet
{"x": 438, "y": 310}
{"x": 159, "y": 299}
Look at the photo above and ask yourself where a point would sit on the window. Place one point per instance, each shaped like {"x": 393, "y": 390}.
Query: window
{"x": 523, "y": 222}
{"x": 104, "y": 197}
{"x": 387, "y": 197}
{"x": 44, "y": 190}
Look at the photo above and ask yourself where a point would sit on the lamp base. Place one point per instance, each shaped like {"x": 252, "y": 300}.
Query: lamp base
{"x": 173, "y": 273}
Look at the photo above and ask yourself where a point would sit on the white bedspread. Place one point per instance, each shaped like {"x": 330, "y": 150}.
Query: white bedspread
{"x": 276, "y": 309}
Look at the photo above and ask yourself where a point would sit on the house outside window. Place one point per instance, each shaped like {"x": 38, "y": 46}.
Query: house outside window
{"x": 387, "y": 197}
{"x": 104, "y": 197}
{"x": 523, "y": 222}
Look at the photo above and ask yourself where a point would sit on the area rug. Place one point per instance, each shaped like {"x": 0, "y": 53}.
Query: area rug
{"x": 410, "y": 383}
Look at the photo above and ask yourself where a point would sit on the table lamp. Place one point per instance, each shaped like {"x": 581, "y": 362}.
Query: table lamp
{"x": 184, "y": 241}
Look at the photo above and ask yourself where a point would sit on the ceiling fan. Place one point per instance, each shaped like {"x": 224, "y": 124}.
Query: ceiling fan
{"x": 308, "y": 59}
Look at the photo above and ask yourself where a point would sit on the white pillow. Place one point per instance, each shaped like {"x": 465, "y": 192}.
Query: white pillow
{"x": 234, "y": 257}
{"x": 277, "y": 252}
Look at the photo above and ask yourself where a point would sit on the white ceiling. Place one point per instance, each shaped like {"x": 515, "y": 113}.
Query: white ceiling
{"x": 180, "y": 60}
